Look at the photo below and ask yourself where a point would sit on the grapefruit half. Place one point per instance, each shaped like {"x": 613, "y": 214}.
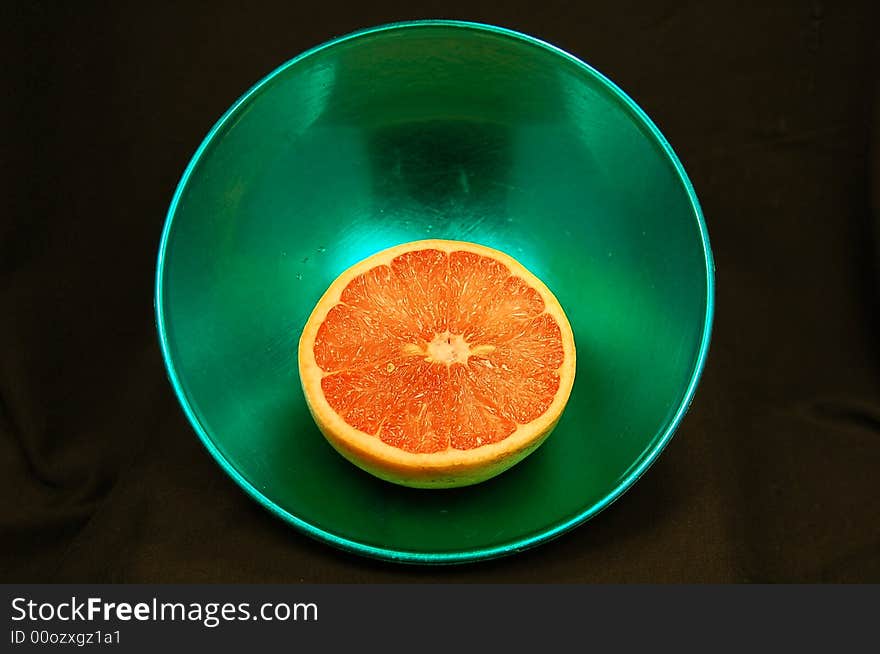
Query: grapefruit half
{"x": 436, "y": 364}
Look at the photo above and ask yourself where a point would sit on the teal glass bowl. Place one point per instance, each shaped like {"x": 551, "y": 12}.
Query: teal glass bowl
{"x": 434, "y": 129}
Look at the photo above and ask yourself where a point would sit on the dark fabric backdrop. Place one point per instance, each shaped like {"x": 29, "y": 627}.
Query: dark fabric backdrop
{"x": 773, "y": 475}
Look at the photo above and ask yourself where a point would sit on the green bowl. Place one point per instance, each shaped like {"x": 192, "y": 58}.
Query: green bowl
{"x": 434, "y": 129}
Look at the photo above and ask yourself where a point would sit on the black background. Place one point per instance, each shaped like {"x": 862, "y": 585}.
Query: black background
{"x": 773, "y": 475}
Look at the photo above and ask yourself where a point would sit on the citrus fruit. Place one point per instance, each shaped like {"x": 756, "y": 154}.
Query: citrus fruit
{"x": 437, "y": 363}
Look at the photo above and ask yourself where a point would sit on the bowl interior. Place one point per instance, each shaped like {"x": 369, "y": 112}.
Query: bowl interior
{"x": 433, "y": 130}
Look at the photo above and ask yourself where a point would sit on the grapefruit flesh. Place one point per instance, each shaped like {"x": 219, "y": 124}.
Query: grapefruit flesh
{"x": 437, "y": 363}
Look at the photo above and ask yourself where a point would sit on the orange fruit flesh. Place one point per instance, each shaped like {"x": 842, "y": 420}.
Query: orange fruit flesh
{"x": 437, "y": 350}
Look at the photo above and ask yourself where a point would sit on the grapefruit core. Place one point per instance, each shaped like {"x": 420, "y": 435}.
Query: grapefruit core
{"x": 436, "y": 363}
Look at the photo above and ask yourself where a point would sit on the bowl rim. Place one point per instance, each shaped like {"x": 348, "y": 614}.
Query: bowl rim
{"x": 517, "y": 544}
